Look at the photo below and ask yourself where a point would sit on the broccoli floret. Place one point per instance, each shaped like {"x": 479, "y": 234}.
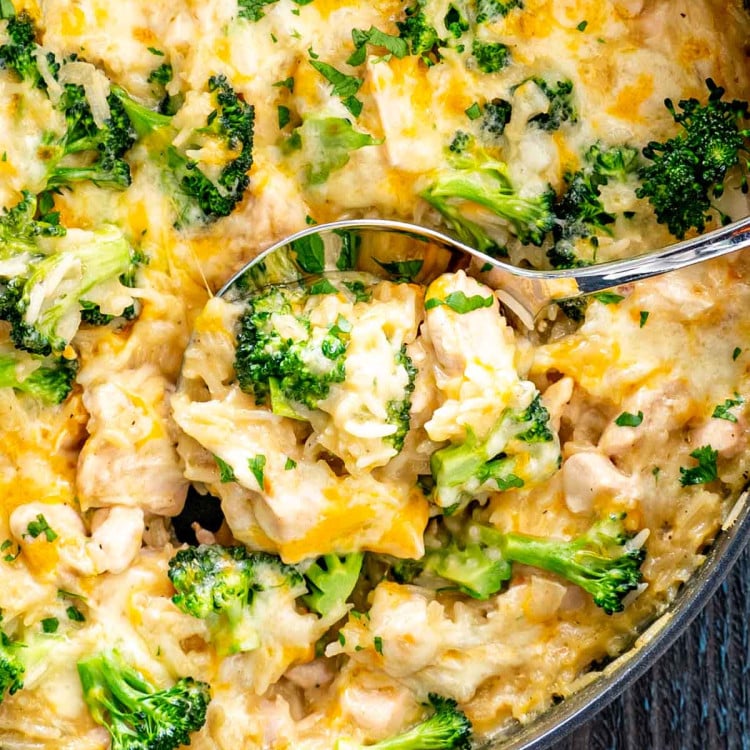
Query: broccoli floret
{"x": 231, "y": 123}
{"x": 448, "y": 728}
{"x": 51, "y": 381}
{"x": 399, "y": 411}
{"x": 20, "y": 230}
{"x": 299, "y": 368}
{"x": 491, "y": 57}
{"x": 331, "y": 579}
{"x": 686, "y": 172}
{"x": 420, "y": 35}
{"x": 43, "y": 298}
{"x": 561, "y": 108}
{"x": 477, "y": 561}
{"x": 19, "y": 53}
{"x": 11, "y": 666}
{"x": 485, "y": 182}
{"x": 489, "y": 10}
{"x": 235, "y": 591}
{"x": 460, "y": 142}
{"x": 598, "y": 561}
{"x": 106, "y": 144}
{"x": 136, "y": 714}
{"x": 462, "y": 471}
{"x": 580, "y": 212}
{"x": 495, "y": 116}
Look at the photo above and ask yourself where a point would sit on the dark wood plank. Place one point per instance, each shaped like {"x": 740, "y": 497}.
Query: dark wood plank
{"x": 697, "y": 697}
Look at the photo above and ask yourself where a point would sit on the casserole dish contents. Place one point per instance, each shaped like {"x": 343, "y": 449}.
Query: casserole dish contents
{"x": 365, "y": 507}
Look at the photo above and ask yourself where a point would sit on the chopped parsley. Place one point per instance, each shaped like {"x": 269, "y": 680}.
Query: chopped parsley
{"x": 608, "y": 298}
{"x": 284, "y": 116}
{"x": 40, "y": 526}
{"x": 50, "y": 625}
{"x": 626, "y": 419}
{"x": 474, "y": 112}
{"x": 290, "y": 464}
{"x": 257, "y": 465}
{"x": 706, "y": 470}
{"x": 460, "y": 303}
{"x": 226, "y": 472}
{"x": 582, "y": 26}
{"x": 378, "y": 643}
{"x": 342, "y": 85}
{"x": 287, "y": 83}
{"x": 402, "y": 270}
{"x": 736, "y": 353}
{"x": 643, "y": 317}
{"x": 721, "y": 411}
{"x": 75, "y": 614}
{"x": 393, "y": 44}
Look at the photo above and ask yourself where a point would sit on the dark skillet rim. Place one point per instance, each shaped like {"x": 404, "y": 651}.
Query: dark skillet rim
{"x": 575, "y": 711}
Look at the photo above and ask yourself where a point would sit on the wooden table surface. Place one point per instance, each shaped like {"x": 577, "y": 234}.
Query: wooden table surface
{"x": 697, "y": 696}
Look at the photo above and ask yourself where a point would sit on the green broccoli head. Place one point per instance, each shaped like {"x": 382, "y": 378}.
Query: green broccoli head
{"x": 106, "y": 144}
{"x": 11, "y": 667}
{"x": 196, "y": 195}
{"x": 298, "y": 365}
{"x": 519, "y": 450}
{"x": 20, "y": 230}
{"x": 489, "y": 10}
{"x": 495, "y": 116}
{"x": 480, "y": 180}
{"x": 331, "y": 579}
{"x": 235, "y": 591}
{"x": 598, "y": 561}
{"x": 491, "y": 57}
{"x": 19, "y": 52}
{"x": 561, "y": 108}
{"x": 136, "y": 714}
{"x": 447, "y": 728}
{"x": 44, "y": 298}
{"x": 420, "y": 35}
{"x": 49, "y": 379}
{"x": 686, "y": 172}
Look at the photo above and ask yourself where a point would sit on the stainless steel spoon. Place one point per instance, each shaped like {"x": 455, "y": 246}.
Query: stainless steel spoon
{"x": 400, "y": 250}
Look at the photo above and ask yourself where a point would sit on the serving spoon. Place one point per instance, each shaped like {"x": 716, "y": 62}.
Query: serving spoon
{"x": 399, "y": 250}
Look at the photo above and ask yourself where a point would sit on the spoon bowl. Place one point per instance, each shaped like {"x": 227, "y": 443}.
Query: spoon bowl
{"x": 398, "y": 250}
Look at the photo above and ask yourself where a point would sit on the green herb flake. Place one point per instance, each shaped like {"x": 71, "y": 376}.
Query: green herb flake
{"x": 608, "y": 298}
{"x": 40, "y": 526}
{"x": 342, "y": 85}
{"x": 582, "y": 26}
{"x": 736, "y": 353}
{"x": 322, "y": 286}
{"x": 310, "y": 253}
{"x": 50, "y": 625}
{"x": 626, "y": 419}
{"x": 257, "y": 464}
{"x": 394, "y": 45}
{"x": 377, "y": 642}
{"x": 474, "y": 112}
{"x": 284, "y": 116}
{"x": 290, "y": 464}
{"x": 706, "y": 471}
{"x": 402, "y": 270}
{"x": 341, "y": 638}
{"x": 460, "y": 303}
{"x": 75, "y": 614}
{"x": 226, "y": 472}
{"x": 722, "y": 410}
{"x": 155, "y": 51}
{"x": 287, "y": 83}
{"x": 643, "y": 317}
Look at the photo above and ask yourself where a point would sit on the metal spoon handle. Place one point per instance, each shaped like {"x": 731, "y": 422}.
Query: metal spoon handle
{"x": 366, "y": 245}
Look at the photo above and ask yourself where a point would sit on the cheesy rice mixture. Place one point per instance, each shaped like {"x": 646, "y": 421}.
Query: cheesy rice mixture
{"x": 629, "y": 409}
